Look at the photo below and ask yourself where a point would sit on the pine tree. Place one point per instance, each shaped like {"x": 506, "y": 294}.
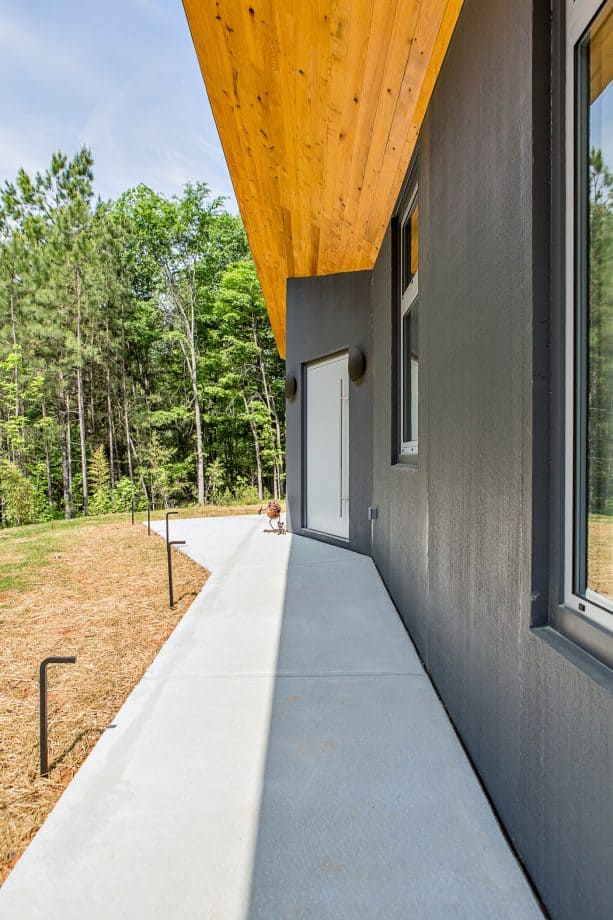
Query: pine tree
{"x": 99, "y": 479}
{"x": 135, "y": 327}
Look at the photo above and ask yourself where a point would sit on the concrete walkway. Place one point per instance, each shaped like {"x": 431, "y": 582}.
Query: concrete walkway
{"x": 285, "y": 756}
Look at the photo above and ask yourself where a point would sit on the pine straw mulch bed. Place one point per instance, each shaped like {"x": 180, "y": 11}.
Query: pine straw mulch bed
{"x": 99, "y": 592}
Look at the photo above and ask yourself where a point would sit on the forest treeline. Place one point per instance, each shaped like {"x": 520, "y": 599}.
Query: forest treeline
{"x": 136, "y": 358}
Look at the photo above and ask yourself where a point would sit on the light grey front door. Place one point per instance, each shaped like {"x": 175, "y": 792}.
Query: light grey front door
{"x": 327, "y": 446}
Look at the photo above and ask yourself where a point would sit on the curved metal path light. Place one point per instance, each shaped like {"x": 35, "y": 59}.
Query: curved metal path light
{"x": 169, "y": 544}
{"x": 44, "y": 737}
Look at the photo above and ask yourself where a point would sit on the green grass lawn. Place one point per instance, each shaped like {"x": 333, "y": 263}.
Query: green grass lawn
{"x": 25, "y": 551}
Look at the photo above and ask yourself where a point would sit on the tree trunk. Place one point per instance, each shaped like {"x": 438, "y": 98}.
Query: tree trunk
{"x": 65, "y": 448}
{"x": 47, "y": 460}
{"x": 279, "y": 450}
{"x": 92, "y": 408}
{"x": 256, "y": 445}
{"x": 124, "y": 391}
{"x": 199, "y": 452}
{"x": 142, "y": 475}
{"x": 198, "y": 419}
{"x": 109, "y": 408}
{"x": 188, "y": 320}
{"x": 126, "y": 421}
{"x": 110, "y": 434}
{"x": 14, "y": 336}
{"x": 16, "y": 456}
{"x": 81, "y": 399}
{"x": 272, "y": 411}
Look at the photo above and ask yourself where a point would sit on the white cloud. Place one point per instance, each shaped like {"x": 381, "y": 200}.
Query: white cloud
{"x": 39, "y": 50}
{"x": 121, "y": 77}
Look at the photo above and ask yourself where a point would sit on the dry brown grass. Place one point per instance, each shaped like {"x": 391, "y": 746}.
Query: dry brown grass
{"x": 212, "y": 510}
{"x": 95, "y": 590}
{"x": 600, "y": 554}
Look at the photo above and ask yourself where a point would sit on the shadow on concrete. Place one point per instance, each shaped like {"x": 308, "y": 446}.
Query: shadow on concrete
{"x": 369, "y": 808}
{"x": 82, "y": 734}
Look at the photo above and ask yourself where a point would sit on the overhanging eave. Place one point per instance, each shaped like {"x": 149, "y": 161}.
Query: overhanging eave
{"x": 318, "y": 106}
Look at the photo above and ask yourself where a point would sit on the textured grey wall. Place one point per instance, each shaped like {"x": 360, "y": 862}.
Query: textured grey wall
{"x": 454, "y": 540}
{"x": 325, "y": 315}
{"x": 463, "y": 542}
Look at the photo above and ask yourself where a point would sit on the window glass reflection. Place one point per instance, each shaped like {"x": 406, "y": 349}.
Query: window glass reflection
{"x": 598, "y": 321}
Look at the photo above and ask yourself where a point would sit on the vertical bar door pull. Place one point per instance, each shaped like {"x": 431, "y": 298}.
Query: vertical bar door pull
{"x": 340, "y": 484}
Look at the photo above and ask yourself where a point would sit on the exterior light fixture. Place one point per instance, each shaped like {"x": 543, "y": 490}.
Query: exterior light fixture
{"x": 291, "y": 386}
{"x": 357, "y": 364}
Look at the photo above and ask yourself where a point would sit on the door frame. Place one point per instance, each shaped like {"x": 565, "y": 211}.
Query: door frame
{"x": 331, "y": 538}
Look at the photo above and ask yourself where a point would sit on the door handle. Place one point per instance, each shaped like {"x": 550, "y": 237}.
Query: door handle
{"x": 340, "y": 452}
{"x": 342, "y": 399}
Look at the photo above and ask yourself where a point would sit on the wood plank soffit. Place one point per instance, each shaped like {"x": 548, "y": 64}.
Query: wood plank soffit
{"x": 318, "y": 105}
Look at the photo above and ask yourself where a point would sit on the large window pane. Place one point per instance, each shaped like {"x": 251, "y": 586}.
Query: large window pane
{"x": 595, "y": 332}
{"x": 410, "y": 365}
{"x": 410, "y": 246}
{"x": 408, "y": 370}
{"x": 414, "y": 261}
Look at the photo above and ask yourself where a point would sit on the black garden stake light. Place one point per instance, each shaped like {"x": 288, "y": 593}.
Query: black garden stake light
{"x": 44, "y": 745}
{"x": 169, "y": 544}
{"x": 168, "y": 513}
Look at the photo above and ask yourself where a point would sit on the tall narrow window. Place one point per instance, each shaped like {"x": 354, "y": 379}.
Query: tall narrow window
{"x": 590, "y": 317}
{"x": 408, "y": 378}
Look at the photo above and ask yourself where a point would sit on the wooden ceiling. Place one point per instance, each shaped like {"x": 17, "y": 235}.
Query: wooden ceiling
{"x": 318, "y": 104}
{"x": 601, "y": 54}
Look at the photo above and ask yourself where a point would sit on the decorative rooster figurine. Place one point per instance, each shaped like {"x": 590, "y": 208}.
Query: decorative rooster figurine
{"x": 273, "y": 513}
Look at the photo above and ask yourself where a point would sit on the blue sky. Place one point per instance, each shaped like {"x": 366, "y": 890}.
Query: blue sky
{"x": 118, "y": 75}
{"x": 601, "y": 124}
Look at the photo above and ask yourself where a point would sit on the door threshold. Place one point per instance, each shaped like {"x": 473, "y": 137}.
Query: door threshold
{"x": 308, "y": 531}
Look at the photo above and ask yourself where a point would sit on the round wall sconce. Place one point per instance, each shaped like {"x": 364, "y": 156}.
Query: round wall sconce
{"x": 357, "y": 364}
{"x": 291, "y": 386}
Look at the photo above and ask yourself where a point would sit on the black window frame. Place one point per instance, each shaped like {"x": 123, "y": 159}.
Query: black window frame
{"x": 582, "y": 639}
{"x": 407, "y": 200}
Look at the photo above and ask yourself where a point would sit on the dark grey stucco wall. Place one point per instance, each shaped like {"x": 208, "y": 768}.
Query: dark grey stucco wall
{"x": 463, "y": 542}
{"x": 326, "y": 315}
{"x": 467, "y": 542}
